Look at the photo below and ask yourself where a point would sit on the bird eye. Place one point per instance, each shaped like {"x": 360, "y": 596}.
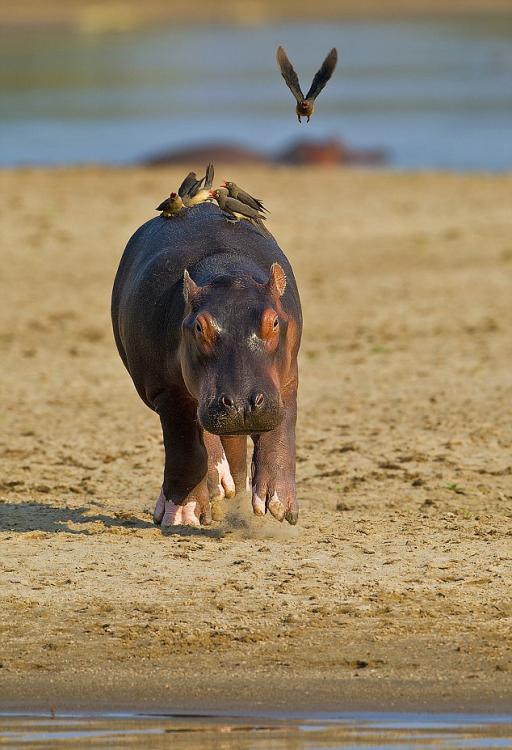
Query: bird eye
{"x": 275, "y": 323}
{"x": 199, "y": 327}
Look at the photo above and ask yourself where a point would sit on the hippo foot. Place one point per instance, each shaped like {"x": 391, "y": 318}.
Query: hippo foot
{"x": 220, "y": 482}
{"x": 279, "y": 500}
{"x": 221, "y": 486}
{"x": 190, "y": 513}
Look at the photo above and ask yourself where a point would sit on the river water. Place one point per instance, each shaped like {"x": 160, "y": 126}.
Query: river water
{"x": 433, "y": 93}
{"x": 384, "y": 731}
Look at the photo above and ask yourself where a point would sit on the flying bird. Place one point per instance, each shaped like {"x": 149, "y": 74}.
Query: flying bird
{"x": 236, "y": 209}
{"x": 192, "y": 191}
{"x": 306, "y": 104}
{"x": 170, "y": 206}
{"x": 236, "y": 192}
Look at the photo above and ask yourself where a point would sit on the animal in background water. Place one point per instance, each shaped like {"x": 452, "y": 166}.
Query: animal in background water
{"x": 306, "y": 104}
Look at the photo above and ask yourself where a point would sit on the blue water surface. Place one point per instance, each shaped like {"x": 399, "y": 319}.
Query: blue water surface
{"x": 433, "y": 93}
{"x": 278, "y": 731}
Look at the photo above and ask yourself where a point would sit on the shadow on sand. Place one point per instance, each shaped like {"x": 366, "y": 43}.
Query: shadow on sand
{"x": 31, "y": 516}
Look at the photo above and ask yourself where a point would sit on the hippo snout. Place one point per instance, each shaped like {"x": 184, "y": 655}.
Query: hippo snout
{"x": 228, "y": 414}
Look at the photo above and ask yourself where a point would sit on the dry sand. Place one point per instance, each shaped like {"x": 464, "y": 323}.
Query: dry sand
{"x": 395, "y": 589}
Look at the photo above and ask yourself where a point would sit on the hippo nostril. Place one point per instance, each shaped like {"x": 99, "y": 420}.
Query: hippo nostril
{"x": 257, "y": 400}
{"x": 226, "y": 402}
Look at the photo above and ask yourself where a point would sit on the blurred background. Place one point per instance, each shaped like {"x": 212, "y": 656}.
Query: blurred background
{"x": 420, "y": 84}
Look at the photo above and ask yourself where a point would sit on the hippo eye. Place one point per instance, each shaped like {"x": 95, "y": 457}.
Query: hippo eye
{"x": 199, "y": 327}
{"x": 275, "y": 324}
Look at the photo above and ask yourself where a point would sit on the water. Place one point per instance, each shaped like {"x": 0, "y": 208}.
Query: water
{"x": 384, "y": 731}
{"x": 433, "y": 93}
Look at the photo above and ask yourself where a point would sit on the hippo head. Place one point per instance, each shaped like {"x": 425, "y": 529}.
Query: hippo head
{"x": 232, "y": 342}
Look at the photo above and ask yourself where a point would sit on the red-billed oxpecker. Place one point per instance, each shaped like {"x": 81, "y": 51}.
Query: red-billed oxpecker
{"x": 170, "y": 206}
{"x": 192, "y": 191}
{"x": 306, "y": 104}
{"x": 236, "y": 209}
{"x": 236, "y": 192}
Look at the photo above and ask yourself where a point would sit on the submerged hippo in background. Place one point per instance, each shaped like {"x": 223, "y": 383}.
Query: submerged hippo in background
{"x": 326, "y": 152}
{"x": 207, "y": 320}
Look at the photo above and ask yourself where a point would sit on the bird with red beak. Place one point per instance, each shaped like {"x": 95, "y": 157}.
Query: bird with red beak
{"x": 170, "y": 206}
{"x": 237, "y": 210}
{"x": 192, "y": 191}
{"x": 306, "y": 104}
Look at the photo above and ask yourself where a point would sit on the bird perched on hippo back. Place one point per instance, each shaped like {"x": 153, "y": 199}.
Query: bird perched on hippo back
{"x": 170, "y": 206}
{"x": 306, "y": 104}
{"x": 189, "y": 184}
{"x": 236, "y": 192}
{"x": 192, "y": 191}
{"x": 237, "y": 209}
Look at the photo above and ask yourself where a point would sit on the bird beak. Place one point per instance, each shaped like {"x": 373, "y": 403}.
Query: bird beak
{"x": 211, "y": 194}
{"x": 224, "y": 184}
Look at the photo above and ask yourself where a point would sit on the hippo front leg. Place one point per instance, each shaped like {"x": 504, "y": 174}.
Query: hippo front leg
{"x": 183, "y": 499}
{"x": 220, "y": 480}
{"x": 227, "y": 469}
{"x": 273, "y": 469}
{"x": 235, "y": 449}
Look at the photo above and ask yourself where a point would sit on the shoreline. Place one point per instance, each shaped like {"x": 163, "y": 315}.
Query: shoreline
{"x": 88, "y": 17}
{"x": 313, "y": 699}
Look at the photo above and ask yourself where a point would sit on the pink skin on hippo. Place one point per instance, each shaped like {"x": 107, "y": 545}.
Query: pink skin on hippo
{"x": 207, "y": 320}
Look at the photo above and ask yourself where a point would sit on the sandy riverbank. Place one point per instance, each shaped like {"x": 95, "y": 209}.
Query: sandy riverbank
{"x": 394, "y": 590}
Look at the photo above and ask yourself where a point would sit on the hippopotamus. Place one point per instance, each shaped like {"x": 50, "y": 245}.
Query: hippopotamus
{"x": 207, "y": 320}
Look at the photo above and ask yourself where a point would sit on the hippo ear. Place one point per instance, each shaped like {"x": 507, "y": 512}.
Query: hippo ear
{"x": 190, "y": 288}
{"x": 277, "y": 280}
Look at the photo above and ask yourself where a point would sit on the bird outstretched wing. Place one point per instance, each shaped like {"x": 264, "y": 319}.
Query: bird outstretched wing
{"x": 289, "y": 74}
{"x": 208, "y": 182}
{"x": 323, "y": 75}
{"x": 190, "y": 185}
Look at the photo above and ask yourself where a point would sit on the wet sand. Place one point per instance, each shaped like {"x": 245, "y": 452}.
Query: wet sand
{"x": 364, "y": 731}
{"x": 393, "y": 592}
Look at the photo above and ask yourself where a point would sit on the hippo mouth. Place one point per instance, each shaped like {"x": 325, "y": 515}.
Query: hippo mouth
{"x": 245, "y": 431}
{"x": 241, "y": 423}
